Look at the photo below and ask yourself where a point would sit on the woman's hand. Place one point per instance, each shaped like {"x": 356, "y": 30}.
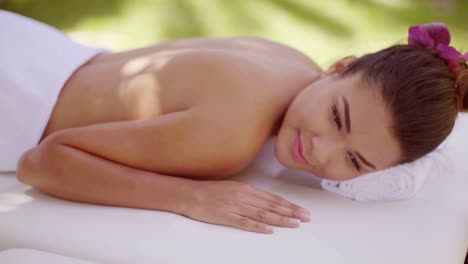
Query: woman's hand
{"x": 243, "y": 206}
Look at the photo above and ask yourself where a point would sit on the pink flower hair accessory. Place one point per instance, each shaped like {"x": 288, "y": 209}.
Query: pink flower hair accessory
{"x": 436, "y": 37}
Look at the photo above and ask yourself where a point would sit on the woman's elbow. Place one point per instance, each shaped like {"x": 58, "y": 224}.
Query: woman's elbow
{"x": 23, "y": 169}
{"x": 35, "y": 163}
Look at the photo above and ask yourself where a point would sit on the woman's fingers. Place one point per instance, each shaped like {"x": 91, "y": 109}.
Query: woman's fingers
{"x": 278, "y": 209}
{"x": 248, "y": 224}
{"x": 275, "y": 198}
{"x": 266, "y": 217}
{"x": 258, "y": 220}
{"x": 278, "y": 205}
{"x": 243, "y": 206}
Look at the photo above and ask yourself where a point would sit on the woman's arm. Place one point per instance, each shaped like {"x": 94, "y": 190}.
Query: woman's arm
{"x": 112, "y": 160}
{"x": 70, "y": 173}
{"x": 194, "y": 143}
{"x": 69, "y": 170}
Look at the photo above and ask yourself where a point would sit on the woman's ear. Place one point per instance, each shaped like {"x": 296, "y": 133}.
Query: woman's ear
{"x": 341, "y": 65}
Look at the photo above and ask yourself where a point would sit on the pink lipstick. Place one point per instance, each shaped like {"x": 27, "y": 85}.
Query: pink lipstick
{"x": 297, "y": 150}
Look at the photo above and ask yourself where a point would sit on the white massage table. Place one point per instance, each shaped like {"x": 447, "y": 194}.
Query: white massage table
{"x": 30, "y": 256}
{"x": 431, "y": 228}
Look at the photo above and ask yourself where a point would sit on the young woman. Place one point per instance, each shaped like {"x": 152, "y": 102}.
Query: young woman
{"x": 163, "y": 127}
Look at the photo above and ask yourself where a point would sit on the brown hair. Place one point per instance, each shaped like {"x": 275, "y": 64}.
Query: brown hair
{"x": 421, "y": 93}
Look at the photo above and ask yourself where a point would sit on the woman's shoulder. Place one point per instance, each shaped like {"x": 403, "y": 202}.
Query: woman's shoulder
{"x": 273, "y": 47}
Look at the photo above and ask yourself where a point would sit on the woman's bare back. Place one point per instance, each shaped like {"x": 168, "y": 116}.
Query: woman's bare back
{"x": 239, "y": 86}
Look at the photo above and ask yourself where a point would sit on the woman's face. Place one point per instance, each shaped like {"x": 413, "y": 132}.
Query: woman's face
{"x": 339, "y": 127}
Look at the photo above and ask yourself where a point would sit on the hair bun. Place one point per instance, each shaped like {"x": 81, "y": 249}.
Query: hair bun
{"x": 461, "y": 86}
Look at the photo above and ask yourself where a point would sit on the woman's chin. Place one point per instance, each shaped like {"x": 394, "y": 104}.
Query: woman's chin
{"x": 277, "y": 154}
{"x": 280, "y": 155}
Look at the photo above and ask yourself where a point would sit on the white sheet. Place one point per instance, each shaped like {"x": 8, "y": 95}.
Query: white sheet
{"x": 35, "y": 62}
{"x": 29, "y": 256}
{"x": 431, "y": 228}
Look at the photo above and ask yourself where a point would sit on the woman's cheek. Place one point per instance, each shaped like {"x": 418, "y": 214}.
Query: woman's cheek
{"x": 335, "y": 172}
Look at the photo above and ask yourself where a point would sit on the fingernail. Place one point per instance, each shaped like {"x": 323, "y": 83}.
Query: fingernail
{"x": 305, "y": 217}
{"x": 304, "y": 211}
{"x": 294, "y": 221}
{"x": 269, "y": 228}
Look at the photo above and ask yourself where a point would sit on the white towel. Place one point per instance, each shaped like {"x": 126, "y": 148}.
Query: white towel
{"x": 35, "y": 62}
{"x": 395, "y": 183}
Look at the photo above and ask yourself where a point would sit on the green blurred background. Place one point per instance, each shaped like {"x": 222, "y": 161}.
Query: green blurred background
{"x": 326, "y": 30}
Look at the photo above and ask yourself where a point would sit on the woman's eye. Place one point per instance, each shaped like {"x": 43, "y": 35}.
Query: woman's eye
{"x": 336, "y": 118}
{"x": 355, "y": 163}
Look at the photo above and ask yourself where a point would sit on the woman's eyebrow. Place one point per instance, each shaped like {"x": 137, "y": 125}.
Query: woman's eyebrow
{"x": 347, "y": 119}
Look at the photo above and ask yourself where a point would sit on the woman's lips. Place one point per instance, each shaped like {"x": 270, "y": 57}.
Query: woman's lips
{"x": 297, "y": 150}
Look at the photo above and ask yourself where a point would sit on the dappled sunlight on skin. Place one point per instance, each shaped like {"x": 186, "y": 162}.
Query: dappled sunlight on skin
{"x": 145, "y": 89}
{"x": 11, "y": 201}
{"x": 141, "y": 64}
{"x": 136, "y": 66}
{"x": 141, "y": 86}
